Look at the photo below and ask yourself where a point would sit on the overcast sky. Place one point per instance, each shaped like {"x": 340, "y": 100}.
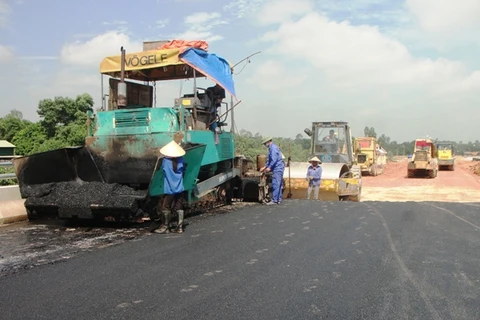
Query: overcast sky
{"x": 408, "y": 68}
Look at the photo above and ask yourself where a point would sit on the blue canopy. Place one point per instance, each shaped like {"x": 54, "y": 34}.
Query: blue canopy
{"x": 214, "y": 67}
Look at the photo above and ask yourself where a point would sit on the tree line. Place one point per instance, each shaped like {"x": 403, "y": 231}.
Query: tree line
{"x": 63, "y": 123}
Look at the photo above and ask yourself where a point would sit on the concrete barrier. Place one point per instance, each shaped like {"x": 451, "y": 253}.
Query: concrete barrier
{"x": 11, "y": 205}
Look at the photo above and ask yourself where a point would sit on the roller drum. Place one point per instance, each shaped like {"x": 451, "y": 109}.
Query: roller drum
{"x": 295, "y": 177}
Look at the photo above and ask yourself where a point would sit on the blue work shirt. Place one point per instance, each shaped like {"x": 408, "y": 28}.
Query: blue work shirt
{"x": 316, "y": 174}
{"x": 274, "y": 159}
{"x": 173, "y": 181}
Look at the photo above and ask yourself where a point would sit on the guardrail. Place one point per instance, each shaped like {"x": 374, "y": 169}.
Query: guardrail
{"x": 7, "y": 164}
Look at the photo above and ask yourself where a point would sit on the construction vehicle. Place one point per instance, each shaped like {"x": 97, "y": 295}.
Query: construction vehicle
{"x": 424, "y": 160}
{"x": 446, "y": 159}
{"x": 116, "y": 175}
{"x": 370, "y": 156}
{"x": 341, "y": 178}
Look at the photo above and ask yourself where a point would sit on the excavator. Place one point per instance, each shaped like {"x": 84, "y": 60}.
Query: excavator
{"x": 341, "y": 178}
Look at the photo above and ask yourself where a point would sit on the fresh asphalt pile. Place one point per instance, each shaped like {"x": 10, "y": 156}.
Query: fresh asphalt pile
{"x": 80, "y": 194}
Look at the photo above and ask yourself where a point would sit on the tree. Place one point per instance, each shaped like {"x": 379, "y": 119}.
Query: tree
{"x": 62, "y": 111}
{"x": 11, "y": 124}
{"x": 369, "y": 132}
{"x": 299, "y": 138}
{"x": 384, "y": 141}
{"x": 29, "y": 139}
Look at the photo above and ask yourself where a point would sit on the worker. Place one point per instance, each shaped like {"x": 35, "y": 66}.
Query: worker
{"x": 275, "y": 165}
{"x": 216, "y": 94}
{"x": 331, "y": 136}
{"x": 314, "y": 177}
{"x": 173, "y": 167}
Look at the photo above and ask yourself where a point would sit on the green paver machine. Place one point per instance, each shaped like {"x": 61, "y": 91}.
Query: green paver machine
{"x": 116, "y": 175}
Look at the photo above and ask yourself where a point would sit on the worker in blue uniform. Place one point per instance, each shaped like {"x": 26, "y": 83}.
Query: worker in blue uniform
{"x": 275, "y": 165}
{"x": 173, "y": 167}
{"x": 314, "y": 177}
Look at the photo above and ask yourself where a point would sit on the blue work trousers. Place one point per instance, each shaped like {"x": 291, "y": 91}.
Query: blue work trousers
{"x": 277, "y": 178}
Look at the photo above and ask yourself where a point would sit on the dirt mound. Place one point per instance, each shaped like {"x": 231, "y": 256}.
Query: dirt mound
{"x": 475, "y": 168}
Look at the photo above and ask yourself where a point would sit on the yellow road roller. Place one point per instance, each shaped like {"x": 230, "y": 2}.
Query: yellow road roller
{"x": 341, "y": 178}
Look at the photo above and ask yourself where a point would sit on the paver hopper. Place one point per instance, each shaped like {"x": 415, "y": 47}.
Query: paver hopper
{"x": 341, "y": 179}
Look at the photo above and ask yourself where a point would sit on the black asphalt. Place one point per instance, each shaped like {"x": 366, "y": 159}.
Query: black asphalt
{"x": 299, "y": 260}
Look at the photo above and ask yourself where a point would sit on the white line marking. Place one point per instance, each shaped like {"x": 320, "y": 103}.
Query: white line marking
{"x": 453, "y": 214}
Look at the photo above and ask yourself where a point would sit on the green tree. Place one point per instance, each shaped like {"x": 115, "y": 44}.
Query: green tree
{"x": 63, "y": 111}
{"x": 370, "y": 132}
{"x": 29, "y": 139}
{"x": 72, "y": 135}
{"x": 384, "y": 141}
{"x": 11, "y": 124}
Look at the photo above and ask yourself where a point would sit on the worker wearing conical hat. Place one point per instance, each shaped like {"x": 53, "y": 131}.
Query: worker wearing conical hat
{"x": 314, "y": 177}
{"x": 173, "y": 167}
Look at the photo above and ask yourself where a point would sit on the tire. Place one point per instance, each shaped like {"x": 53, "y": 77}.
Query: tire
{"x": 355, "y": 198}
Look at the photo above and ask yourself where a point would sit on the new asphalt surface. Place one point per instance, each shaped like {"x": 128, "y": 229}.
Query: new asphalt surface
{"x": 299, "y": 260}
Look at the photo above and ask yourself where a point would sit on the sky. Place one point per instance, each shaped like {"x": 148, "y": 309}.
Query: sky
{"x": 408, "y": 68}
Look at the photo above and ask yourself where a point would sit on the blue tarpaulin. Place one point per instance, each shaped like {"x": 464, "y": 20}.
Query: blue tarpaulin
{"x": 214, "y": 67}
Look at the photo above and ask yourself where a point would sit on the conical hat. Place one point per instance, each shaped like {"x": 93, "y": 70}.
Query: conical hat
{"x": 173, "y": 150}
{"x": 266, "y": 140}
{"x": 283, "y": 157}
{"x": 315, "y": 159}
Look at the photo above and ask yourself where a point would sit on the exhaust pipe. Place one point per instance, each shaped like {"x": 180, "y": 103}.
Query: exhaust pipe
{"x": 122, "y": 86}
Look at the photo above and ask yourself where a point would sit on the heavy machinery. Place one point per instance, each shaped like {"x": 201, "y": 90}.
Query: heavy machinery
{"x": 370, "y": 156}
{"x": 446, "y": 159}
{"x": 116, "y": 175}
{"x": 341, "y": 178}
{"x": 424, "y": 159}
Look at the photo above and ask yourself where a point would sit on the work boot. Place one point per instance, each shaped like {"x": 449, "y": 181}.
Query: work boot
{"x": 166, "y": 227}
{"x": 180, "y": 221}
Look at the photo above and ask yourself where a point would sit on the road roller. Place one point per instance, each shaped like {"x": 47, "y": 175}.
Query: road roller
{"x": 341, "y": 178}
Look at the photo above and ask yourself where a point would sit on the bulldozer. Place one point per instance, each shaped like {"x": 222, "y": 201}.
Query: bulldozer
{"x": 341, "y": 177}
{"x": 370, "y": 156}
{"x": 117, "y": 174}
{"x": 446, "y": 156}
{"x": 424, "y": 160}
